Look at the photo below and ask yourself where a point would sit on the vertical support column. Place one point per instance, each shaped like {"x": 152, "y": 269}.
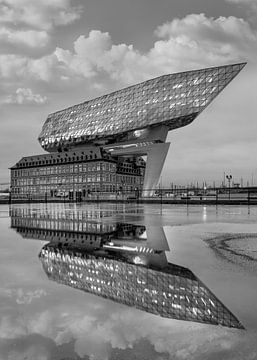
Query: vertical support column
{"x": 154, "y": 164}
{"x": 156, "y": 237}
{"x": 157, "y": 240}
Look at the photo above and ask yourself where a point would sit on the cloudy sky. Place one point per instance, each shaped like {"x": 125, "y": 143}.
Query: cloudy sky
{"x": 55, "y": 53}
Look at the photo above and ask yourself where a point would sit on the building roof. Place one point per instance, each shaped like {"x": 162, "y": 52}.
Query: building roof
{"x": 82, "y": 154}
{"x": 173, "y": 100}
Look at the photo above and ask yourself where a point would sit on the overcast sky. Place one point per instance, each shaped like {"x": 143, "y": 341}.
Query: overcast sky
{"x": 55, "y": 53}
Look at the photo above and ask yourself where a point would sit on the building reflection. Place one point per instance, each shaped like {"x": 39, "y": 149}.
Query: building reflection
{"x": 122, "y": 262}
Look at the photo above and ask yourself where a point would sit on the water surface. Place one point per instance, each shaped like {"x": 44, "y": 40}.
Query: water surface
{"x": 52, "y": 311}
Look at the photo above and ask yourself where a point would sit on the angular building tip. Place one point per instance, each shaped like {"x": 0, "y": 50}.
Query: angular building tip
{"x": 172, "y": 100}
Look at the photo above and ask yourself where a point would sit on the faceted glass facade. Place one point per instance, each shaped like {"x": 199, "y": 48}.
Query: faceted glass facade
{"x": 173, "y": 292}
{"x": 173, "y": 100}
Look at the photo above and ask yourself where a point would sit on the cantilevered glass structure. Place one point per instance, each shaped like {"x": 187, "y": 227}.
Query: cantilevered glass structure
{"x": 171, "y": 291}
{"x": 172, "y": 100}
{"x": 122, "y": 262}
{"x": 117, "y": 128}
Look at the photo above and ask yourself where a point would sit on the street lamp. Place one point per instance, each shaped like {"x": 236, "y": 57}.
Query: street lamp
{"x": 136, "y": 193}
{"x": 229, "y": 178}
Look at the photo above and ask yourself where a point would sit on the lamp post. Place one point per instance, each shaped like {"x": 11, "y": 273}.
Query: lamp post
{"x": 229, "y": 178}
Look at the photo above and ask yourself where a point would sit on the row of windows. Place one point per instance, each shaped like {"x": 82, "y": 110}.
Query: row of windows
{"x": 64, "y": 190}
{"x": 65, "y": 225}
{"x": 61, "y": 159}
{"x": 70, "y": 237}
{"x": 129, "y": 170}
{"x": 56, "y": 213}
{"x": 72, "y": 168}
{"x": 75, "y": 179}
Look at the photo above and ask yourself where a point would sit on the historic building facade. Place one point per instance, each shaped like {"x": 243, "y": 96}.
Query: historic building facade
{"x": 75, "y": 175}
{"x": 100, "y": 146}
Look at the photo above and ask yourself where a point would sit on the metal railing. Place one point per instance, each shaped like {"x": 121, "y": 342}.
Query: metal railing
{"x": 244, "y": 195}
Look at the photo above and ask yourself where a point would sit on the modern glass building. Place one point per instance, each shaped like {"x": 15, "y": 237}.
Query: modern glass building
{"x": 125, "y": 263}
{"x": 97, "y": 146}
{"x": 171, "y": 292}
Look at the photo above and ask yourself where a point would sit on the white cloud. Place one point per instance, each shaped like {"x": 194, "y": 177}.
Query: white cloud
{"x": 25, "y": 96}
{"x": 199, "y": 27}
{"x": 46, "y": 68}
{"x": 194, "y": 41}
{"x": 23, "y": 297}
{"x": 29, "y": 23}
{"x": 96, "y": 54}
{"x": 197, "y": 40}
{"x": 96, "y": 335}
{"x": 12, "y": 66}
{"x": 40, "y": 14}
{"x": 191, "y": 42}
{"x": 19, "y": 68}
{"x": 29, "y": 38}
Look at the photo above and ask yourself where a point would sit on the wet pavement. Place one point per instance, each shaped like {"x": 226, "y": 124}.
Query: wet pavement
{"x": 128, "y": 281}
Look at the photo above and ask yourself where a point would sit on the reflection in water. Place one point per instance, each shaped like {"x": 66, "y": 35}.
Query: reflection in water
{"x": 122, "y": 262}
